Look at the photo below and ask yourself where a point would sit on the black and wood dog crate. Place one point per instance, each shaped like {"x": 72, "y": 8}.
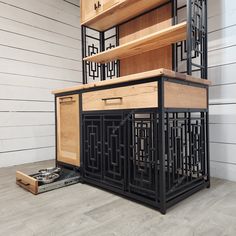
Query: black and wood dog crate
{"x": 133, "y": 127}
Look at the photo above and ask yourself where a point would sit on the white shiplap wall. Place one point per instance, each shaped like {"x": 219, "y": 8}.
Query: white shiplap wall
{"x": 222, "y": 72}
{"x": 40, "y": 50}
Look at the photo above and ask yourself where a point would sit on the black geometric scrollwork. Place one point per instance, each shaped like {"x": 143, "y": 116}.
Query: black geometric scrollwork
{"x": 95, "y": 42}
{"x": 197, "y": 39}
{"x": 93, "y": 68}
{"x": 185, "y": 138}
{"x": 92, "y": 139}
{"x": 114, "y": 152}
{"x": 198, "y": 27}
{"x": 121, "y": 150}
{"x": 142, "y": 154}
{"x": 110, "y": 67}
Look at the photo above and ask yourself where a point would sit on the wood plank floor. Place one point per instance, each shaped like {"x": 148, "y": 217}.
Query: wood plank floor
{"x": 84, "y": 210}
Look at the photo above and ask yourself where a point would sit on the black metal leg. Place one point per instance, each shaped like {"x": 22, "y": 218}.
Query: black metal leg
{"x": 208, "y": 151}
{"x": 161, "y": 146}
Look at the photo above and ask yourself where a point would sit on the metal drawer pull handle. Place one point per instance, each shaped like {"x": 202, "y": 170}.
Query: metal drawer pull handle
{"x": 115, "y": 98}
{"x": 97, "y": 6}
{"x": 67, "y": 99}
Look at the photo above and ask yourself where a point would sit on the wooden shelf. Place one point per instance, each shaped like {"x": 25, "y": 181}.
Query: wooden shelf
{"x": 117, "y": 13}
{"x": 151, "y": 42}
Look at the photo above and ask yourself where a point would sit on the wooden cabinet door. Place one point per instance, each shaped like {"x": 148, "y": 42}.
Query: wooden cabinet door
{"x": 68, "y": 127}
{"x": 88, "y": 9}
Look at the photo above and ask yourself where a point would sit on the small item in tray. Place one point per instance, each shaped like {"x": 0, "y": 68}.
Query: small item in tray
{"x": 46, "y": 178}
{"x": 47, "y": 175}
{"x": 56, "y": 170}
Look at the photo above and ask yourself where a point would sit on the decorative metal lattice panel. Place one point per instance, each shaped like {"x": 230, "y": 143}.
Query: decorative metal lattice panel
{"x": 185, "y": 150}
{"x": 142, "y": 161}
{"x": 114, "y": 150}
{"x": 92, "y": 148}
{"x": 122, "y": 150}
{"x": 111, "y": 40}
{"x": 94, "y": 42}
{"x": 191, "y": 55}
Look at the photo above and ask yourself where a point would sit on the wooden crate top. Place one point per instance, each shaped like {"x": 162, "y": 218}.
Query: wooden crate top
{"x": 134, "y": 77}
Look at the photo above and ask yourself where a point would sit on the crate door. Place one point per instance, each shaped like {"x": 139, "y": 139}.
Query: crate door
{"x": 114, "y": 150}
{"x": 68, "y": 141}
{"x": 92, "y": 147}
{"x": 142, "y": 155}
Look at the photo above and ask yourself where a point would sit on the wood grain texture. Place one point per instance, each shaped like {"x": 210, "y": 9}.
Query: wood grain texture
{"x": 147, "y": 61}
{"x": 138, "y": 76}
{"x": 93, "y": 8}
{"x": 68, "y": 123}
{"x": 145, "y": 96}
{"x": 87, "y": 10}
{"x": 147, "y": 43}
{"x": 27, "y": 182}
{"x": 118, "y": 11}
{"x": 144, "y": 25}
{"x": 129, "y": 97}
{"x": 184, "y": 96}
{"x": 108, "y": 4}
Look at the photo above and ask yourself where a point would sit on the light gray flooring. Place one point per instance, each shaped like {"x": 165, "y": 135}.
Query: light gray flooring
{"x": 85, "y": 210}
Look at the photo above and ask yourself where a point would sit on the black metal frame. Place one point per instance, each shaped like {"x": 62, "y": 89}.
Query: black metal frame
{"x": 160, "y": 159}
{"x": 171, "y": 159}
{"x": 162, "y": 153}
{"x": 100, "y": 41}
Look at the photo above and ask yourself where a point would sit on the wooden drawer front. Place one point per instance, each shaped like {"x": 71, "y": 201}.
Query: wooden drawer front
{"x": 27, "y": 182}
{"x": 184, "y": 96}
{"x": 129, "y": 97}
{"x": 68, "y": 140}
